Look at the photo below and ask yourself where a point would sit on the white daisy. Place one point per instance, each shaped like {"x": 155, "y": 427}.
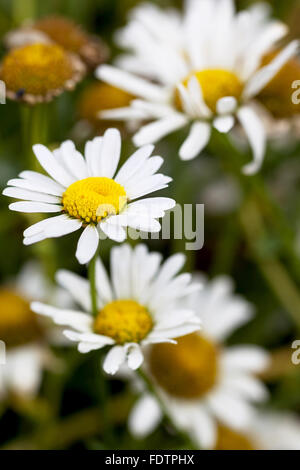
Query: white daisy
{"x": 139, "y": 306}
{"x": 26, "y": 351}
{"x": 89, "y": 193}
{"x": 207, "y": 77}
{"x": 200, "y": 381}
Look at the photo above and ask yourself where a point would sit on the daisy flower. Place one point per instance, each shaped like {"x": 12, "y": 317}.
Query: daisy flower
{"x": 201, "y": 382}
{"x": 138, "y": 306}
{"x": 89, "y": 193}
{"x": 37, "y": 73}
{"x": 206, "y": 79}
{"x": 64, "y": 32}
{"x": 22, "y": 332}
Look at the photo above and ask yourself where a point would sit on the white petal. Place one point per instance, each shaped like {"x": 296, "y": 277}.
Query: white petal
{"x": 257, "y": 138}
{"x": 245, "y": 358}
{"x": 103, "y": 285}
{"x": 73, "y": 160}
{"x": 38, "y": 182}
{"x": 145, "y": 416}
{"x": 34, "y": 239}
{"x": 224, "y": 124}
{"x": 77, "y": 320}
{"x": 135, "y": 356}
{"x": 62, "y": 226}
{"x": 29, "y": 207}
{"x": 133, "y": 164}
{"x": 196, "y": 141}
{"x": 52, "y": 167}
{"x": 114, "y": 359}
{"x": 19, "y": 193}
{"x": 197, "y": 97}
{"x": 226, "y": 105}
{"x": 265, "y": 74}
{"x": 123, "y": 114}
{"x": 204, "y": 428}
{"x": 87, "y": 244}
{"x": 76, "y": 286}
{"x": 230, "y": 409}
{"x": 24, "y": 369}
{"x": 113, "y": 231}
{"x": 130, "y": 83}
{"x": 110, "y": 153}
{"x": 155, "y": 131}
{"x": 247, "y": 386}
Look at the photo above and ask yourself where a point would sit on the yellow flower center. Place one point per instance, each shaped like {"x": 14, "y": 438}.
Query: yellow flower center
{"x": 18, "y": 324}
{"x": 36, "y": 69}
{"x": 187, "y": 370}
{"x": 94, "y": 198}
{"x": 126, "y": 321}
{"x": 63, "y": 31}
{"x": 99, "y": 97}
{"x": 277, "y": 95}
{"x": 232, "y": 440}
{"x": 215, "y": 84}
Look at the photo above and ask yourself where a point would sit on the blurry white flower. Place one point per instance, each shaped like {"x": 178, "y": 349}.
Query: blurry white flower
{"x": 23, "y": 333}
{"x": 89, "y": 193}
{"x": 207, "y": 70}
{"x": 201, "y": 382}
{"x": 138, "y": 306}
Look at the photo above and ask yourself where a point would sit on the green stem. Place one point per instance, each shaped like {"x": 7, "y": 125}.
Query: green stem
{"x": 92, "y": 279}
{"x": 149, "y": 385}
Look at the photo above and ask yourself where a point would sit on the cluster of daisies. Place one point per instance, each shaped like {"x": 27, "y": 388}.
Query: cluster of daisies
{"x": 198, "y": 71}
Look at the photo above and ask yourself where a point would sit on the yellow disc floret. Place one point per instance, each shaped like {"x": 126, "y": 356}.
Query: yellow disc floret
{"x": 36, "y": 69}
{"x": 232, "y": 440}
{"x": 126, "y": 321}
{"x": 94, "y": 198}
{"x": 215, "y": 84}
{"x": 18, "y": 324}
{"x": 187, "y": 370}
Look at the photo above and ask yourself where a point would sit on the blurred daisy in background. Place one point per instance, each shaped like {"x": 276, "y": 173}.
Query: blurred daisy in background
{"x": 36, "y": 73}
{"x": 207, "y": 77}
{"x": 24, "y": 334}
{"x": 64, "y": 32}
{"x": 139, "y": 305}
{"x": 89, "y": 193}
{"x": 201, "y": 382}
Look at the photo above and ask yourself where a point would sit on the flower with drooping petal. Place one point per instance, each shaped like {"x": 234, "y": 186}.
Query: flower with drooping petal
{"x": 138, "y": 306}
{"x": 90, "y": 193}
{"x": 201, "y": 382}
{"x": 206, "y": 78}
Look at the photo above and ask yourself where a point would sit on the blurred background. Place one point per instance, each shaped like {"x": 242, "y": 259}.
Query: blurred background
{"x": 66, "y": 413}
